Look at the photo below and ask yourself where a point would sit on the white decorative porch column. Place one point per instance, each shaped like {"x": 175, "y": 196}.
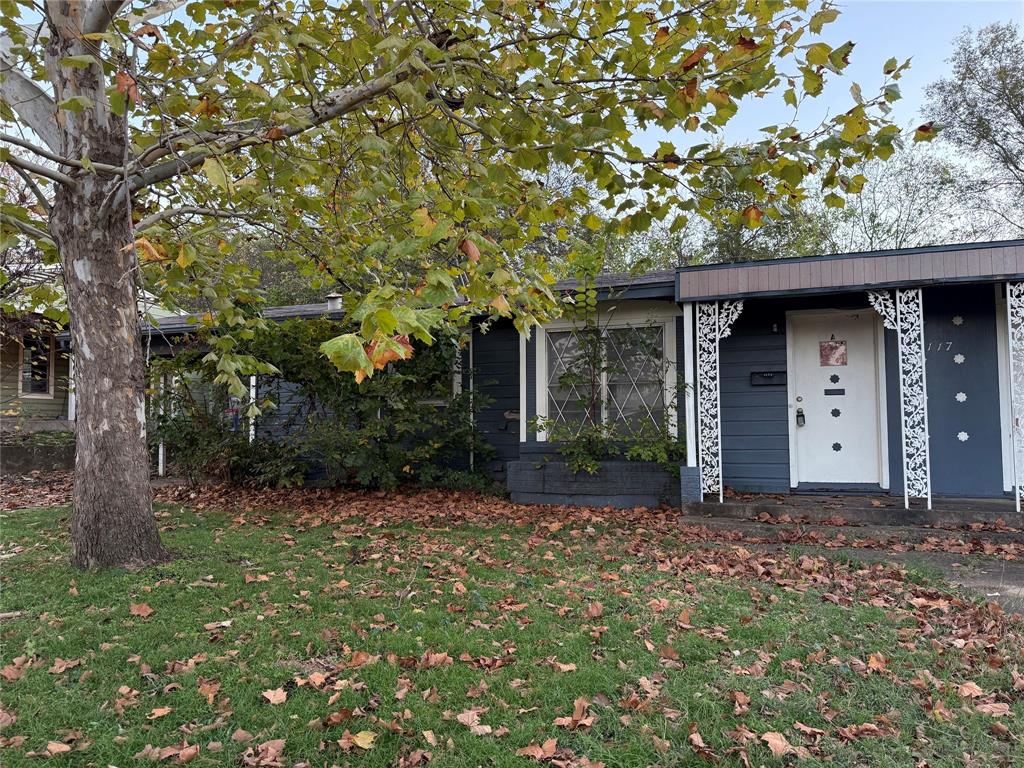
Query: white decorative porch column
{"x": 1015, "y": 359}
{"x": 906, "y": 317}
{"x": 714, "y": 323}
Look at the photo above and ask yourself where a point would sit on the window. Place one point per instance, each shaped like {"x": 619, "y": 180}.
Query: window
{"x": 37, "y": 366}
{"x": 620, "y": 376}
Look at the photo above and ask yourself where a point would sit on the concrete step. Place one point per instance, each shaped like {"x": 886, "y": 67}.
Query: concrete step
{"x": 865, "y": 510}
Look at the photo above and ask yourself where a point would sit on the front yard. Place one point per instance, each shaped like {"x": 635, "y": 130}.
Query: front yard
{"x": 426, "y": 631}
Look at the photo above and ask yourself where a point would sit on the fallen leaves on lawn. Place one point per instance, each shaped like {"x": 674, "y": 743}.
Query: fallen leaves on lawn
{"x": 276, "y": 696}
{"x": 269, "y": 754}
{"x": 142, "y": 610}
{"x": 580, "y": 717}
{"x": 363, "y": 740}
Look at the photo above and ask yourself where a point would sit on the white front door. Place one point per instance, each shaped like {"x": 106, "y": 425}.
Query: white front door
{"x": 834, "y": 398}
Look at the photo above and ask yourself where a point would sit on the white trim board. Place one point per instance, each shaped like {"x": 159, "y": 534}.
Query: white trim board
{"x": 1003, "y": 364}
{"x": 689, "y": 384}
{"x": 522, "y": 387}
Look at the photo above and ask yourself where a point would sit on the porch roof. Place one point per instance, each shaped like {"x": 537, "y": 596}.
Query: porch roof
{"x": 967, "y": 263}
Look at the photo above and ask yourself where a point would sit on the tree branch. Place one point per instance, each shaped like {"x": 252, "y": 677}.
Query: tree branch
{"x": 24, "y": 144}
{"x": 27, "y": 99}
{"x": 25, "y": 228}
{"x": 34, "y": 189}
{"x": 250, "y": 133}
{"x": 155, "y": 10}
{"x": 40, "y": 170}
{"x": 99, "y": 15}
{"x": 186, "y": 210}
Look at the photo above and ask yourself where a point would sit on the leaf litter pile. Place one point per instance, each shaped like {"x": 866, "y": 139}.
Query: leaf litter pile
{"x": 442, "y": 629}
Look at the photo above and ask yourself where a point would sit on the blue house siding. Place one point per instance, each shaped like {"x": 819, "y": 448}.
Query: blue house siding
{"x": 496, "y": 378}
{"x": 755, "y": 427}
{"x": 290, "y": 415}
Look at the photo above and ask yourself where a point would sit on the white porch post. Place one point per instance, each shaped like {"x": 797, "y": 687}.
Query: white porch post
{"x": 72, "y": 404}
{"x": 1015, "y": 363}
{"x": 252, "y": 401}
{"x": 906, "y": 317}
{"x": 161, "y": 451}
{"x": 689, "y": 395}
{"x": 714, "y": 323}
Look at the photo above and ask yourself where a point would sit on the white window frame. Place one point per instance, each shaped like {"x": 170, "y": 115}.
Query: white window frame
{"x": 611, "y": 315}
{"x": 51, "y": 370}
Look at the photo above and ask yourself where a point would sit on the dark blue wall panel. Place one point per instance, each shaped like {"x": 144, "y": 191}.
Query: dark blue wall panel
{"x": 963, "y": 390}
{"x": 496, "y": 378}
{"x": 755, "y": 426}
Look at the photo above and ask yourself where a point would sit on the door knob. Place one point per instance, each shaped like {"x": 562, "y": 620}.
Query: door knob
{"x": 800, "y": 418}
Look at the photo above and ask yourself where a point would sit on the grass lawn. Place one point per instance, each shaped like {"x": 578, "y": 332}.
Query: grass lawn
{"x": 335, "y": 641}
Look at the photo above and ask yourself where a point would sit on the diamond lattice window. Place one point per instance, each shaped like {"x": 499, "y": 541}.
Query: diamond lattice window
{"x": 617, "y": 377}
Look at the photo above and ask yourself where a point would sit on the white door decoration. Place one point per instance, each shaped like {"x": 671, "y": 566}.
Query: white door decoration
{"x": 906, "y": 317}
{"x": 1015, "y": 328}
{"x": 714, "y": 323}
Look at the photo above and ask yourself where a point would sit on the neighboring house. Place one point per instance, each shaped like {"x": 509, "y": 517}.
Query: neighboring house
{"x": 37, "y": 367}
{"x": 897, "y": 372}
{"x": 34, "y": 375}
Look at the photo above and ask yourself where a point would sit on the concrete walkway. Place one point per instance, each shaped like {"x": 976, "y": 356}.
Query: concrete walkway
{"x": 991, "y": 578}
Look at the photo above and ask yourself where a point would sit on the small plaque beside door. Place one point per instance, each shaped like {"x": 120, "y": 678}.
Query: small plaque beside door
{"x": 767, "y": 378}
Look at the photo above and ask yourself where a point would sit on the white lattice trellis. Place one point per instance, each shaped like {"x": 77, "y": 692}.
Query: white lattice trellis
{"x": 905, "y": 315}
{"x": 714, "y": 323}
{"x": 1015, "y": 329}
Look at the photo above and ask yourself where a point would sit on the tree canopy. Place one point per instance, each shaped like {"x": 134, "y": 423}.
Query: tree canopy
{"x": 395, "y": 148}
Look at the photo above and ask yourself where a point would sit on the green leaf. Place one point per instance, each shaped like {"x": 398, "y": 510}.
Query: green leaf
{"x": 821, "y": 18}
{"x": 346, "y": 353}
{"x": 215, "y": 172}
{"x": 76, "y": 104}
{"x": 818, "y": 54}
{"x": 83, "y": 61}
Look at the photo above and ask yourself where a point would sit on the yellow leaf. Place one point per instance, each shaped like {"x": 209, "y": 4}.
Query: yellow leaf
{"x": 364, "y": 739}
{"x": 423, "y": 222}
{"x": 184, "y": 257}
{"x": 500, "y": 303}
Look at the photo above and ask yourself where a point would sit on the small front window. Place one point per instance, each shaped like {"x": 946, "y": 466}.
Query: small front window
{"x": 37, "y": 365}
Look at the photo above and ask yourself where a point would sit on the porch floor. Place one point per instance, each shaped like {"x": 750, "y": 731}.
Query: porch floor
{"x": 861, "y": 509}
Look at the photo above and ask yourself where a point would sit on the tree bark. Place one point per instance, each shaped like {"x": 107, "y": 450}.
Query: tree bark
{"x": 113, "y": 522}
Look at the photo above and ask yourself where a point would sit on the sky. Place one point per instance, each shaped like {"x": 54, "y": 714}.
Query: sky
{"x": 921, "y": 30}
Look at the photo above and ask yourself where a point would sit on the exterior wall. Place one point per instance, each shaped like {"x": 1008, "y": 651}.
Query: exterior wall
{"x": 496, "y": 377}
{"x": 755, "y": 420}
{"x": 971, "y": 466}
{"x": 14, "y": 407}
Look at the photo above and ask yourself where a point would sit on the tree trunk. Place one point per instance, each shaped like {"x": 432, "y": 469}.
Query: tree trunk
{"x": 113, "y": 522}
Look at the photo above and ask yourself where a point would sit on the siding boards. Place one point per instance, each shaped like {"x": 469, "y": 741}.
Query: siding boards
{"x": 755, "y": 436}
{"x": 55, "y": 407}
{"x": 496, "y": 377}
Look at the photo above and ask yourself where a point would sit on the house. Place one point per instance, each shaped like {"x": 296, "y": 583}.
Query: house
{"x": 893, "y": 372}
{"x": 37, "y": 366}
{"x": 34, "y": 375}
